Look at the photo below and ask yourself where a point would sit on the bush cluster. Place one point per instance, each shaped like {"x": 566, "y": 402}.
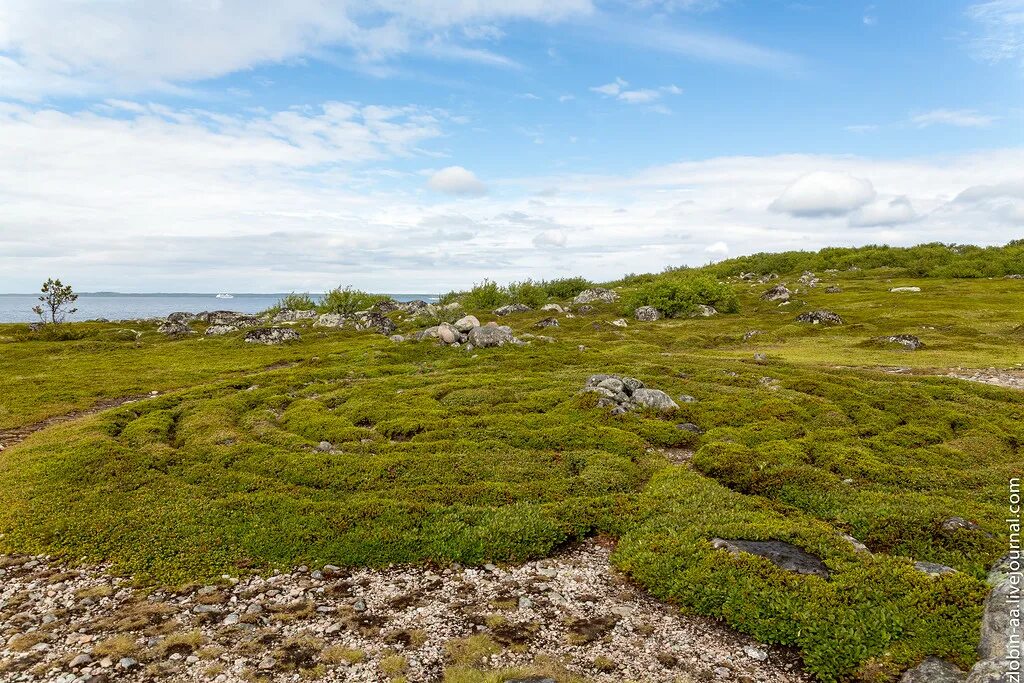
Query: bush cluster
{"x": 679, "y": 295}
{"x": 488, "y": 295}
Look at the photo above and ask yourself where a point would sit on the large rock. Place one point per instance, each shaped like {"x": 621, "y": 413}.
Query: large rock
{"x": 907, "y": 341}
{"x": 373, "y": 320}
{"x": 654, "y": 398}
{"x": 597, "y": 294}
{"x": 230, "y": 318}
{"x": 181, "y": 317}
{"x": 933, "y": 568}
{"x": 646, "y": 314}
{"x": 905, "y": 289}
{"x": 271, "y": 335}
{"x": 220, "y": 330}
{"x": 821, "y": 317}
{"x": 413, "y": 307}
{"x": 330, "y": 320}
{"x": 777, "y": 293}
{"x": 552, "y": 307}
{"x": 490, "y": 335}
{"x": 175, "y": 329}
{"x": 783, "y": 555}
{"x": 934, "y": 670}
{"x": 448, "y": 334}
{"x": 466, "y": 323}
{"x": 509, "y": 309}
{"x": 547, "y": 322}
{"x": 704, "y": 311}
{"x": 996, "y": 653}
{"x": 287, "y": 315}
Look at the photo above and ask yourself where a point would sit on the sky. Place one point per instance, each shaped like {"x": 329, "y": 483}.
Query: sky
{"x": 420, "y": 146}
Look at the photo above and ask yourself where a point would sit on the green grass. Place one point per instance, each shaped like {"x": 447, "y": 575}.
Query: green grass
{"x": 443, "y": 455}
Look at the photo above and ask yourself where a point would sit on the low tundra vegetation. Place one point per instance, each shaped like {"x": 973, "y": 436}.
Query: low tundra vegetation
{"x": 439, "y": 455}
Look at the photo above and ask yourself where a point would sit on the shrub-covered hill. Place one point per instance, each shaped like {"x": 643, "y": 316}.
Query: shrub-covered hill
{"x": 433, "y": 454}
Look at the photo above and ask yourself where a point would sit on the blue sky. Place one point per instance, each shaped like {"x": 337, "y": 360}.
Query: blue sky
{"x": 267, "y": 146}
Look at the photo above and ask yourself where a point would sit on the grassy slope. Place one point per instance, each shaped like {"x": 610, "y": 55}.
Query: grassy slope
{"x": 443, "y": 455}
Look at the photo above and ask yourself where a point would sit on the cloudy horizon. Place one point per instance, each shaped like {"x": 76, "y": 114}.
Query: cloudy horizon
{"x": 423, "y": 146}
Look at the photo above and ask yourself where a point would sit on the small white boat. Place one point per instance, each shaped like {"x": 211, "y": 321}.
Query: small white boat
{"x": 225, "y": 296}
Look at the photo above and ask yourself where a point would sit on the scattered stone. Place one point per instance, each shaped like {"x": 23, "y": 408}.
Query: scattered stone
{"x": 646, "y": 314}
{"x": 509, "y": 309}
{"x": 954, "y": 523}
{"x": 703, "y": 311}
{"x": 933, "y": 568}
{"x": 620, "y": 322}
{"x": 547, "y": 322}
{"x": 905, "y": 289}
{"x": 325, "y": 446}
{"x": 287, "y": 315}
{"x": 907, "y": 341}
{"x": 686, "y": 398}
{"x": 552, "y": 307}
{"x": 809, "y": 279}
{"x": 490, "y": 336}
{"x": 783, "y": 555}
{"x": 448, "y": 334}
{"x": 833, "y": 289}
{"x": 271, "y": 336}
{"x": 220, "y": 330}
{"x": 755, "y": 653}
{"x": 654, "y": 398}
{"x": 777, "y": 293}
{"x": 689, "y": 427}
{"x": 747, "y": 336}
{"x": 821, "y": 317}
{"x": 596, "y": 294}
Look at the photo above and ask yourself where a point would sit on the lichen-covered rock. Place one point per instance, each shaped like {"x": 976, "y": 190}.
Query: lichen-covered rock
{"x": 907, "y": 341}
{"x": 552, "y": 307}
{"x": 596, "y": 294}
{"x": 783, "y": 555}
{"x": 1000, "y": 648}
{"x": 466, "y": 323}
{"x": 646, "y": 314}
{"x": 620, "y": 322}
{"x": 704, "y": 311}
{"x": 933, "y": 568}
{"x": 175, "y": 329}
{"x": 654, "y": 398}
{"x": 288, "y": 315}
{"x": 547, "y": 322}
{"x": 271, "y": 335}
{"x": 330, "y": 320}
{"x": 509, "y": 309}
{"x": 220, "y": 330}
{"x": 821, "y": 317}
{"x": 490, "y": 336}
{"x": 934, "y": 670}
{"x": 905, "y": 289}
{"x": 777, "y": 293}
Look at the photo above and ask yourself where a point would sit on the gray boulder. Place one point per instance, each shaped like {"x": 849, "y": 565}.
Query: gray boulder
{"x": 330, "y": 320}
{"x": 547, "y": 322}
{"x": 821, "y": 317}
{"x": 999, "y": 648}
{"x": 934, "y": 670}
{"x": 933, "y": 568}
{"x": 289, "y": 316}
{"x": 783, "y": 555}
{"x": 703, "y": 311}
{"x": 490, "y": 336}
{"x": 833, "y": 289}
{"x": 905, "y": 289}
{"x": 596, "y": 294}
{"x": 176, "y": 329}
{"x": 271, "y": 335}
{"x": 220, "y": 330}
{"x": 646, "y": 314}
{"x": 448, "y": 334}
{"x": 552, "y": 307}
{"x": 466, "y": 323}
{"x": 181, "y": 317}
{"x": 777, "y": 293}
{"x": 907, "y": 341}
{"x": 509, "y": 309}
{"x": 654, "y": 398}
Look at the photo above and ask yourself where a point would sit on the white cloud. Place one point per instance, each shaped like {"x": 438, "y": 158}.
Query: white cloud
{"x": 824, "y": 193}
{"x": 1000, "y": 35}
{"x": 717, "y": 248}
{"x": 963, "y": 118}
{"x": 456, "y": 180}
{"x": 892, "y": 211}
{"x": 176, "y": 199}
{"x": 617, "y": 89}
{"x": 611, "y": 89}
{"x": 57, "y": 46}
{"x": 550, "y": 238}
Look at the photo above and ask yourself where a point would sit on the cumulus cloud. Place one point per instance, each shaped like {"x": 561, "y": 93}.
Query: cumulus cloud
{"x": 313, "y": 196}
{"x": 884, "y": 212}
{"x": 458, "y": 181}
{"x": 824, "y": 193}
{"x": 550, "y": 238}
{"x": 962, "y": 118}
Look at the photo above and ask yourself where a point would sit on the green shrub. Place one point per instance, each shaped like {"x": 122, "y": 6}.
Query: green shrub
{"x": 528, "y": 293}
{"x": 680, "y": 296}
{"x": 485, "y": 295}
{"x": 292, "y": 302}
{"x": 566, "y": 287}
{"x": 347, "y": 301}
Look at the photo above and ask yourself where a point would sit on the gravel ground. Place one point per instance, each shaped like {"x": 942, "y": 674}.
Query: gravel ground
{"x": 60, "y": 624}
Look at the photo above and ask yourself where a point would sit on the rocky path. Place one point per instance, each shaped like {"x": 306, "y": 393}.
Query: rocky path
{"x": 9, "y": 437}
{"x": 337, "y": 625}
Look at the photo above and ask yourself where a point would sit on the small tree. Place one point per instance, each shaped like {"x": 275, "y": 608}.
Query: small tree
{"x": 55, "y": 301}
